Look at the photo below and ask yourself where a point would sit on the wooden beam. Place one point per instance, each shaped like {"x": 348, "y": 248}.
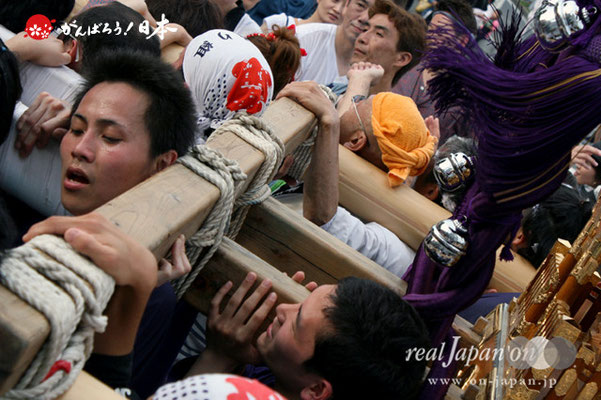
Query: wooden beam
{"x": 282, "y": 240}
{"x": 232, "y": 262}
{"x": 364, "y": 191}
{"x": 177, "y": 201}
{"x": 291, "y": 243}
{"x": 155, "y": 212}
{"x": 23, "y": 332}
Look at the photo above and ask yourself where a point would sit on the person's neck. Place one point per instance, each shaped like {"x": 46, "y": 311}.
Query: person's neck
{"x": 344, "y": 51}
{"x": 385, "y": 85}
{"x": 312, "y": 19}
{"x": 286, "y": 392}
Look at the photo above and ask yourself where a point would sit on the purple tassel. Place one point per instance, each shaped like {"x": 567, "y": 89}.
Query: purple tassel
{"x": 528, "y": 108}
{"x": 506, "y": 253}
{"x": 520, "y": 117}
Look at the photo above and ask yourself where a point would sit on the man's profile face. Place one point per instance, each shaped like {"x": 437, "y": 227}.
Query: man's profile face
{"x": 350, "y": 125}
{"x": 350, "y": 130}
{"x": 290, "y": 340}
{"x": 378, "y": 43}
{"x": 107, "y": 148}
{"x": 355, "y": 17}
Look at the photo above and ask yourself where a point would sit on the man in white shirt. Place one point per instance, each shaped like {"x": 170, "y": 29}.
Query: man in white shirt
{"x": 330, "y": 47}
{"x": 392, "y": 44}
{"x": 388, "y": 131}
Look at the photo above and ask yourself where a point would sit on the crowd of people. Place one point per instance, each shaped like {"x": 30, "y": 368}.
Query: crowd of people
{"x": 135, "y": 114}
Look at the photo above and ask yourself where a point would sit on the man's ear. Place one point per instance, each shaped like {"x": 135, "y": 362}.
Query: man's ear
{"x": 403, "y": 58}
{"x": 430, "y": 191}
{"x": 519, "y": 241}
{"x": 164, "y": 160}
{"x": 71, "y": 48}
{"x": 357, "y": 141}
{"x": 319, "y": 390}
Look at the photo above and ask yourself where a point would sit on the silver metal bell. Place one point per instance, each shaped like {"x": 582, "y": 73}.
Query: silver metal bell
{"x": 446, "y": 242}
{"x": 557, "y": 21}
{"x": 453, "y": 172}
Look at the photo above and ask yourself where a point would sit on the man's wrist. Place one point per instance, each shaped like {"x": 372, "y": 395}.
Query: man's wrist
{"x": 18, "y": 45}
{"x": 360, "y": 84}
{"x": 329, "y": 121}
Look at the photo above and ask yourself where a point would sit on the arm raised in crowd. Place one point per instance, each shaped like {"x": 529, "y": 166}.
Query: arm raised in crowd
{"x": 49, "y": 52}
{"x": 320, "y": 199}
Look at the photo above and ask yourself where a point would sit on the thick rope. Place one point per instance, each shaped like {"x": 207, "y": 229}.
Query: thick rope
{"x": 227, "y": 214}
{"x": 302, "y": 154}
{"x": 256, "y": 133}
{"x": 223, "y": 173}
{"x": 72, "y": 293}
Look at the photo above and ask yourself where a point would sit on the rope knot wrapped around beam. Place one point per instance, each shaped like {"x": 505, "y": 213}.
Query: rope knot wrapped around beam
{"x": 72, "y": 293}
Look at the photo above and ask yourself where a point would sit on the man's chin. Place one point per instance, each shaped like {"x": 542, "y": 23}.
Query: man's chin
{"x": 355, "y": 59}
{"x": 74, "y": 206}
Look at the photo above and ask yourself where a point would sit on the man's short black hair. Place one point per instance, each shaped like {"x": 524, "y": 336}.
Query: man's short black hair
{"x": 461, "y": 9}
{"x": 106, "y": 18}
{"x": 366, "y": 356}
{"x": 14, "y": 14}
{"x": 170, "y": 117}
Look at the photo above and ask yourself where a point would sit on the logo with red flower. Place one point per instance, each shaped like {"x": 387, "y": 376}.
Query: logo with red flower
{"x": 38, "y": 27}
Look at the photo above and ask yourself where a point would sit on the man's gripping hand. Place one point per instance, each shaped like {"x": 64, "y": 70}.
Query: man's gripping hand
{"x": 309, "y": 95}
{"x": 231, "y": 332}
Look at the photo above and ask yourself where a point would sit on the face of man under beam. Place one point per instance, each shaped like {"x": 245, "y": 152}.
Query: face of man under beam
{"x": 107, "y": 148}
{"x": 290, "y": 340}
{"x": 357, "y": 139}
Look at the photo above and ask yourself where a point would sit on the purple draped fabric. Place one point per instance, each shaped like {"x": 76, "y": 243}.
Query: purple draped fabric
{"x": 529, "y": 108}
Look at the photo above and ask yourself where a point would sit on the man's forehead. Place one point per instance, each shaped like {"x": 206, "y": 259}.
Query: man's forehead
{"x": 319, "y": 298}
{"x": 366, "y": 102}
{"x": 116, "y": 101}
{"x": 369, "y": 3}
{"x": 107, "y": 94}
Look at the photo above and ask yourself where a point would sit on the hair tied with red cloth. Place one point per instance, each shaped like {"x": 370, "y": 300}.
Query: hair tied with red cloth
{"x": 270, "y": 36}
{"x": 292, "y": 28}
{"x": 303, "y": 52}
